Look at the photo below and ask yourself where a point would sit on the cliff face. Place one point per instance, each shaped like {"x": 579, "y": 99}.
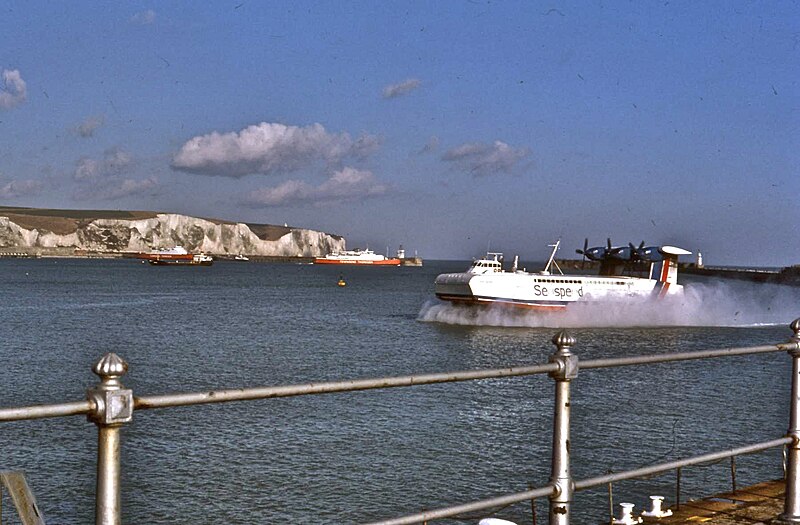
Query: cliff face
{"x": 163, "y": 231}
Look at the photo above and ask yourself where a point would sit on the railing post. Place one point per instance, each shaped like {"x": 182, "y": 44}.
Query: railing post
{"x": 560, "y": 476}
{"x": 112, "y": 407}
{"x": 791, "y": 507}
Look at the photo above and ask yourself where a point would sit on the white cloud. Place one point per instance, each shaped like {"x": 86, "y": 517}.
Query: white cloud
{"x": 268, "y": 148}
{"x": 116, "y": 188}
{"x": 144, "y": 18}
{"x": 127, "y": 187}
{"x": 403, "y": 88}
{"x": 20, "y": 188}
{"x": 14, "y": 91}
{"x": 345, "y": 185}
{"x": 486, "y": 159}
{"x": 89, "y": 125}
{"x": 102, "y": 179}
{"x": 114, "y": 162}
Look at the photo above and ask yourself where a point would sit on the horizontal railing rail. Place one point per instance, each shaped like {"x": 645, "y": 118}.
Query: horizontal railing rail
{"x": 250, "y": 394}
{"x": 109, "y": 405}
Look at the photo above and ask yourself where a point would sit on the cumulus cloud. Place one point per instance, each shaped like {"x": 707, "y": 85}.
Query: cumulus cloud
{"x": 14, "y": 91}
{"x": 486, "y": 159}
{"x": 114, "y": 162}
{"x": 144, "y": 18}
{"x": 89, "y": 125}
{"x": 268, "y": 148}
{"x": 344, "y": 185}
{"x": 20, "y": 188}
{"x": 403, "y": 88}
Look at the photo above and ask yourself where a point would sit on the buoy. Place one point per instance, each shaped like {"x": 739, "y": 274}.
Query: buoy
{"x": 626, "y": 517}
{"x": 655, "y": 508}
{"x": 495, "y": 521}
{"x": 341, "y": 281}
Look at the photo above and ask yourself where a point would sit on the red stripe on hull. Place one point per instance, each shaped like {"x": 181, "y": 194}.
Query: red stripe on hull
{"x": 508, "y": 304}
{"x": 166, "y": 257}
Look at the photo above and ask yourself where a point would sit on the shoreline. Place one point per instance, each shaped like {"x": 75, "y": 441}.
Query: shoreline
{"x": 85, "y": 254}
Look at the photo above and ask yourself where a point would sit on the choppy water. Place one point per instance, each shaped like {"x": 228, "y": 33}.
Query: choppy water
{"x": 349, "y": 458}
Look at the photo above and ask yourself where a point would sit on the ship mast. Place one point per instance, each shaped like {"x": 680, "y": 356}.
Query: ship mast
{"x": 552, "y": 261}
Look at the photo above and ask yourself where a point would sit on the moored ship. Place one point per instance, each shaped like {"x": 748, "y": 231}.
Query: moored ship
{"x": 176, "y": 256}
{"x": 359, "y": 257}
{"x": 625, "y": 273}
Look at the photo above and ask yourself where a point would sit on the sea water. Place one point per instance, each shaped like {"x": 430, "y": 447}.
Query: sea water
{"x": 364, "y": 456}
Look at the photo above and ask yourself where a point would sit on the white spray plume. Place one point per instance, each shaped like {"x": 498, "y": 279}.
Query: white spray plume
{"x": 702, "y": 304}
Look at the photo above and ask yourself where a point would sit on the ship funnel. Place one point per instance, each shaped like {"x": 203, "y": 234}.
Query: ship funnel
{"x": 626, "y": 515}
{"x": 515, "y": 265}
{"x": 655, "y": 508}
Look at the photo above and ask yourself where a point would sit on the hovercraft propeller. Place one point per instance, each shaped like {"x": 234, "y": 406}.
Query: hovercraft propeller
{"x": 598, "y": 253}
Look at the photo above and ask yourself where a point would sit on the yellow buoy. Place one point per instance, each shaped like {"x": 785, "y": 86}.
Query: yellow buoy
{"x": 341, "y": 281}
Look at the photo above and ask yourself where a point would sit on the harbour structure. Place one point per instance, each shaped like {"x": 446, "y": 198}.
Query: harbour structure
{"x": 111, "y": 406}
{"x": 626, "y": 272}
{"x": 414, "y": 260}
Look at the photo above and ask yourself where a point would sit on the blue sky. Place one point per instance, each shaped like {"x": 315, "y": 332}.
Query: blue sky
{"x": 448, "y": 127}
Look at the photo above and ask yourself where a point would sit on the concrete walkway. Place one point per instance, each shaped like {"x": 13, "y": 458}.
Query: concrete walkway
{"x": 757, "y": 504}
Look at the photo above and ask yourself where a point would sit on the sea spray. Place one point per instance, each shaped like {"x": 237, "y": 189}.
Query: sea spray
{"x": 712, "y": 303}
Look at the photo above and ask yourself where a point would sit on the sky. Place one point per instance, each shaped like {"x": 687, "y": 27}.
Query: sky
{"x": 452, "y": 128}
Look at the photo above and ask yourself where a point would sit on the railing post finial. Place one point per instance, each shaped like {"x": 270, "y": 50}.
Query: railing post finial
{"x": 113, "y": 404}
{"x": 563, "y": 356}
{"x": 563, "y": 341}
{"x": 795, "y": 326}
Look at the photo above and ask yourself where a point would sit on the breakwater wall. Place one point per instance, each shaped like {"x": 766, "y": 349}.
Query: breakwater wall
{"x": 789, "y": 275}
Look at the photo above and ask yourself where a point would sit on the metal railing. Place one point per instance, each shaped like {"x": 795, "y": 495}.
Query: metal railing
{"x": 110, "y": 406}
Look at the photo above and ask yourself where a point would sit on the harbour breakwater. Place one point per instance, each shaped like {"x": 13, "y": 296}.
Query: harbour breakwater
{"x": 789, "y": 275}
{"x": 87, "y": 233}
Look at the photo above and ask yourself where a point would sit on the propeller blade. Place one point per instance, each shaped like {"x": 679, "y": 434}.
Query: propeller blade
{"x": 585, "y": 247}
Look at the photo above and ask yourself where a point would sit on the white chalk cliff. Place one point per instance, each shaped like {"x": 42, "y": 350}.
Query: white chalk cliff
{"x": 160, "y": 231}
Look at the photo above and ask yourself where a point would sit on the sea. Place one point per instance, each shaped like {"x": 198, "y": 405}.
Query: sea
{"x": 365, "y": 456}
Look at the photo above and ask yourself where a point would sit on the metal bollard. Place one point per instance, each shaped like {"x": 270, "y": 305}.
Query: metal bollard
{"x": 112, "y": 407}
{"x": 560, "y": 476}
{"x": 791, "y": 507}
